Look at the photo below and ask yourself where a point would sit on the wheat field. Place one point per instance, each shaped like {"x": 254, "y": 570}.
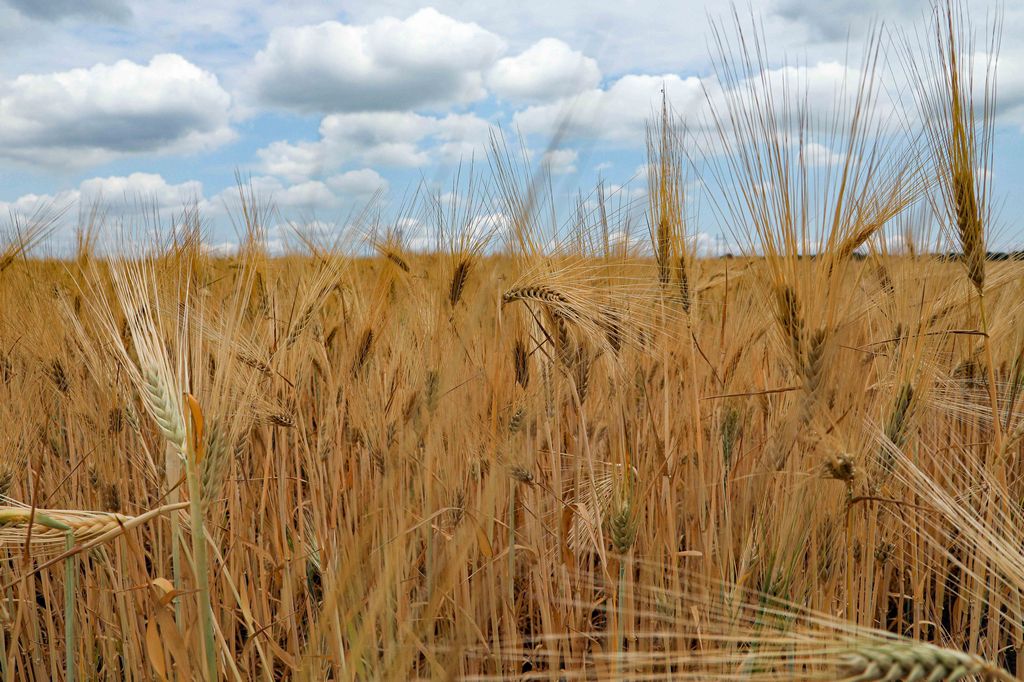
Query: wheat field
{"x": 542, "y": 448}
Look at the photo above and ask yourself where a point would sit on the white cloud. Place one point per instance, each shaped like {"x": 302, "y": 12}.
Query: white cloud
{"x": 487, "y": 225}
{"x": 382, "y": 139}
{"x": 426, "y": 60}
{"x": 547, "y": 70}
{"x": 27, "y": 204}
{"x": 85, "y": 116}
{"x": 816, "y": 154}
{"x": 387, "y": 139}
{"x": 643, "y": 35}
{"x": 131, "y": 202}
{"x": 308, "y": 195}
{"x": 618, "y": 113}
{"x": 364, "y": 182}
{"x": 316, "y": 195}
{"x": 293, "y": 161}
{"x": 131, "y": 199}
{"x": 561, "y": 161}
{"x": 461, "y": 136}
{"x": 150, "y": 188}
{"x": 825, "y": 86}
{"x": 118, "y": 194}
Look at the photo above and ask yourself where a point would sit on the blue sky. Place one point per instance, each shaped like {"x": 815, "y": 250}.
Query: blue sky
{"x": 325, "y": 104}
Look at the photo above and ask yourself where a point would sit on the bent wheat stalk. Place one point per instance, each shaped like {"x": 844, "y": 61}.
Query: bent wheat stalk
{"x": 96, "y": 527}
{"x": 52, "y": 525}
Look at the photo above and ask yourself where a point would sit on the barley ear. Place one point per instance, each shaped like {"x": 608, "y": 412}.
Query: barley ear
{"x": 914, "y": 661}
{"x": 158, "y": 400}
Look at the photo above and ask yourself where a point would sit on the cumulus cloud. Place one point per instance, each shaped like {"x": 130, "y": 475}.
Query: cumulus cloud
{"x": 131, "y": 199}
{"x": 150, "y": 188}
{"x": 334, "y": 192}
{"x": 316, "y": 195}
{"x": 308, "y": 195}
{"x": 118, "y": 194}
{"x": 547, "y": 70}
{"x": 641, "y": 35}
{"x": 361, "y": 183}
{"x": 53, "y": 10}
{"x": 817, "y": 154}
{"x": 85, "y": 116}
{"x": 427, "y": 60}
{"x": 618, "y": 113}
{"x": 384, "y": 139}
{"x": 561, "y": 161}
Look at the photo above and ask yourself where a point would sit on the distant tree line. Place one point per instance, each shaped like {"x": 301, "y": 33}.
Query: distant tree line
{"x": 952, "y": 256}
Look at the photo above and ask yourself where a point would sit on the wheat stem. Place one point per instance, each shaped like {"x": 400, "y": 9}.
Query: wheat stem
{"x": 69, "y": 610}
{"x": 201, "y": 568}
{"x": 997, "y": 430}
{"x": 195, "y": 449}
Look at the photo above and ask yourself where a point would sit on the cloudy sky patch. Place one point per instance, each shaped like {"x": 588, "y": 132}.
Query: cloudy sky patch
{"x": 325, "y": 106}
